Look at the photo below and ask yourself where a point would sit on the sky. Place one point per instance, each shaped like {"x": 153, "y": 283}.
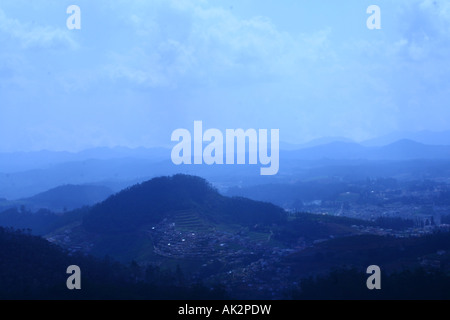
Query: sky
{"x": 138, "y": 70}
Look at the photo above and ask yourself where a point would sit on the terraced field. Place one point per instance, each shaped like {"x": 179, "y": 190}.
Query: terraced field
{"x": 189, "y": 221}
{"x": 259, "y": 237}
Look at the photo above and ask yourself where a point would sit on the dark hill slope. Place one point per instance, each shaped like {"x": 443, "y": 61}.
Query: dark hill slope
{"x": 152, "y": 201}
{"x": 33, "y": 268}
{"x": 67, "y": 197}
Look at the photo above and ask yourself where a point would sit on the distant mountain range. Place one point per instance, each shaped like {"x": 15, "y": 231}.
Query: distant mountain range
{"x": 397, "y": 151}
{"x": 426, "y": 137}
{"x": 441, "y": 138}
{"x": 115, "y": 173}
{"x": 23, "y": 161}
{"x": 23, "y": 175}
{"x": 313, "y": 143}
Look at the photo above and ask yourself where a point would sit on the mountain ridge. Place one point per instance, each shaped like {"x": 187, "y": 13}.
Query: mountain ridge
{"x": 404, "y": 149}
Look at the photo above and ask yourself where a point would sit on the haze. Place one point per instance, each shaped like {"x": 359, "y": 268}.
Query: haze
{"x": 138, "y": 70}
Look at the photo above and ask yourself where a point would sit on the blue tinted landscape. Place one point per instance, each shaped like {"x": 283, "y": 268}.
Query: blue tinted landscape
{"x": 103, "y": 164}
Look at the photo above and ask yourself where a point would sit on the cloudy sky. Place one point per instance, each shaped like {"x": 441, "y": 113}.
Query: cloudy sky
{"x": 137, "y": 70}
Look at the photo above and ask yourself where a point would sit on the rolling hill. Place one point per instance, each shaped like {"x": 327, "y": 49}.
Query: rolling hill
{"x": 154, "y": 200}
{"x": 67, "y": 197}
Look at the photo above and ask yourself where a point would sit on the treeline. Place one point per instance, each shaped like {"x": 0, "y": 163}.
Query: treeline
{"x": 33, "y": 268}
{"x": 350, "y": 284}
{"x": 310, "y": 226}
{"x": 41, "y": 222}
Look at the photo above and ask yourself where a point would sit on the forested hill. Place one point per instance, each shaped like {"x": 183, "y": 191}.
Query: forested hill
{"x": 33, "y": 268}
{"x": 67, "y": 197}
{"x": 152, "y": 201}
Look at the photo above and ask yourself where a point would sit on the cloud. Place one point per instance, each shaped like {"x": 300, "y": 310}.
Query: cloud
{"x": 150, "y": 66}
{"x": 30, "y": 36}
{"x": 195, "y": 41}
